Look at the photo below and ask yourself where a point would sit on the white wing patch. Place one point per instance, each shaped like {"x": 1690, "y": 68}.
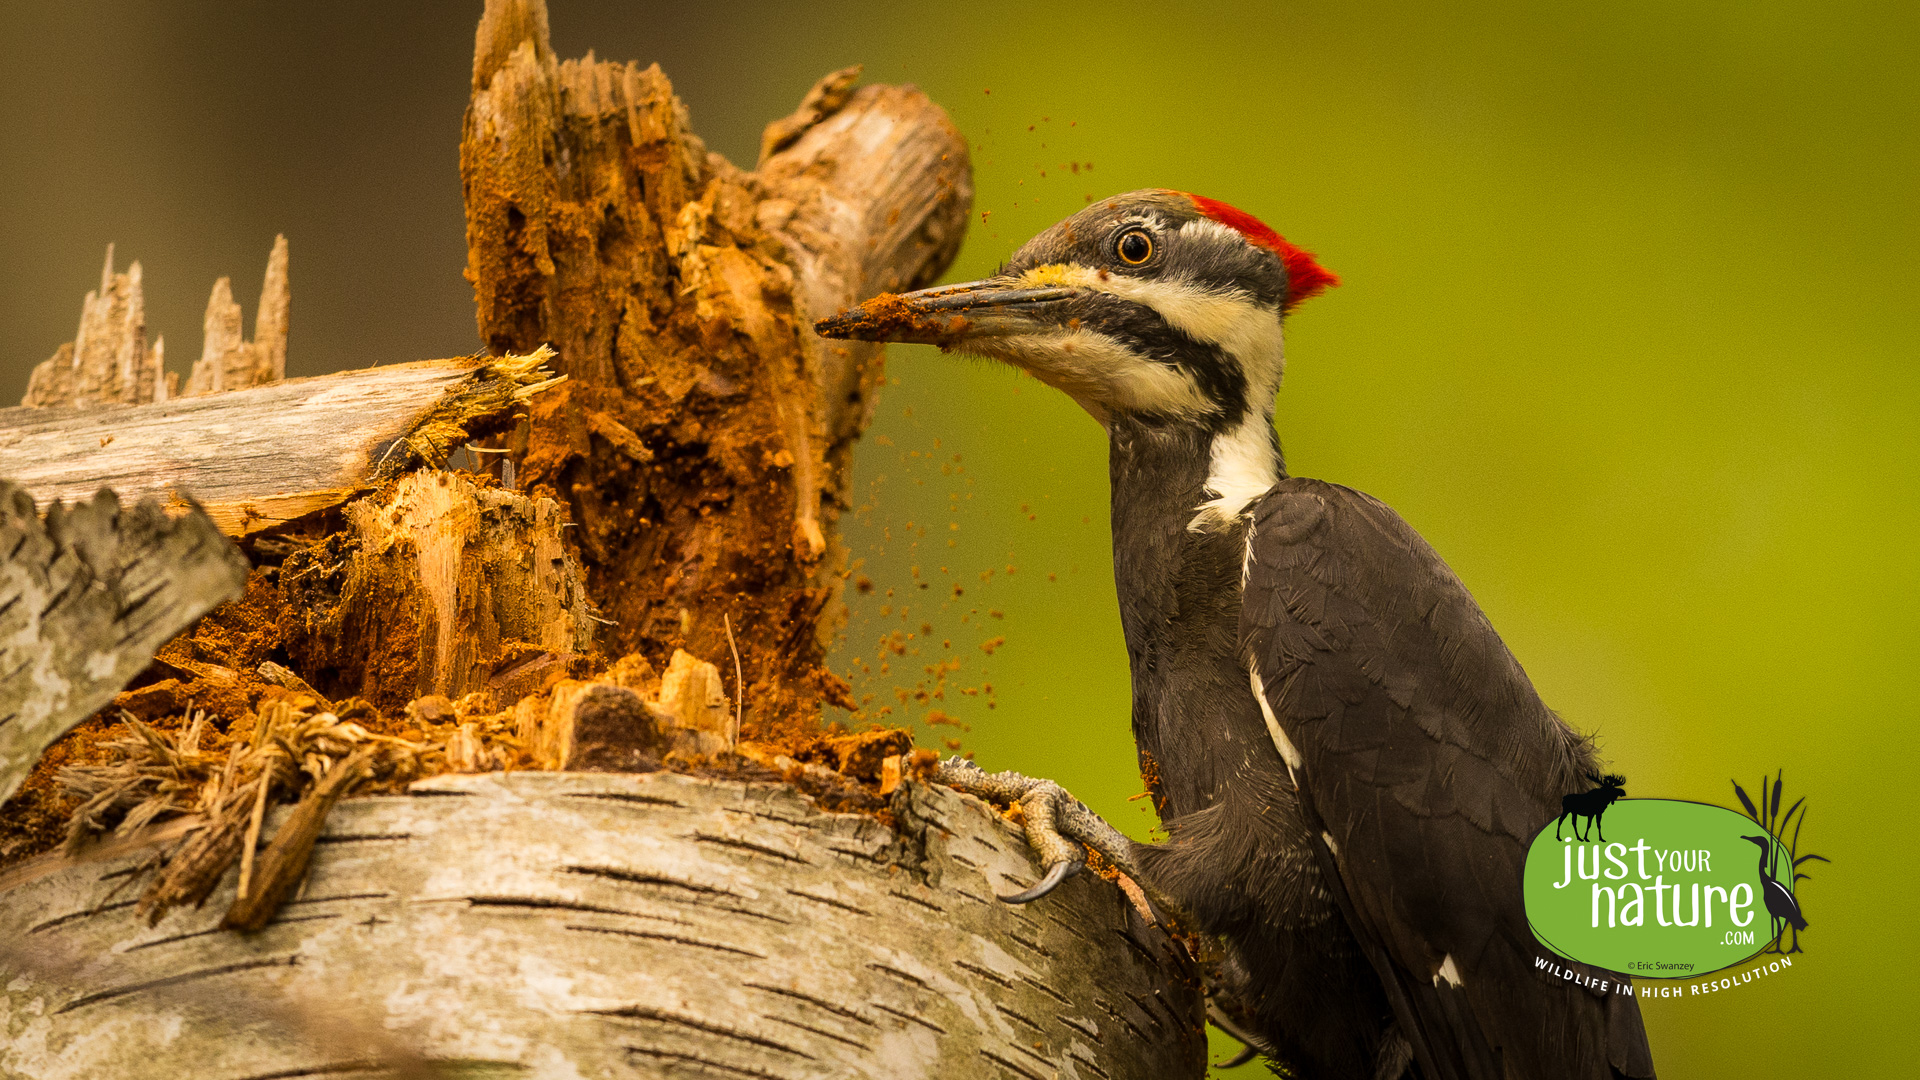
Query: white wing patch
{"x": 1448, "y": 973}
{"x": 1288, "y": 753}
{"x": 1246, "y": 556}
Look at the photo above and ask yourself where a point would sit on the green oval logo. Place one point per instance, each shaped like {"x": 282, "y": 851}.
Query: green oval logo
{"x": 1675, "y": 889}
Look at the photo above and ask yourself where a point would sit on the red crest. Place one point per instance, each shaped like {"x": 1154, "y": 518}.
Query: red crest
{"x": 1306, "y": 278}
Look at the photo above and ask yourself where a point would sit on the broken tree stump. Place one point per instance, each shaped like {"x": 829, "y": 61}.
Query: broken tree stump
{"x": 701, "y": 440}
{"x": 553, "y": 923}
{"x": 259, "y": 458}
{"x": 86, "y": 597}
{"x": 593, "y": 924}
{"x": 109, "y": 362}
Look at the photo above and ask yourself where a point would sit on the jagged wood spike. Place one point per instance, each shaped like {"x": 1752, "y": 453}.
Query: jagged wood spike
{"x": 228, "y": 361}
{"x": 108, "y": 361}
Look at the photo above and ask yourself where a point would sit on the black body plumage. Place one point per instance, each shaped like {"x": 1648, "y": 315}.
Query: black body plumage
{"x": 1237, "y": 857}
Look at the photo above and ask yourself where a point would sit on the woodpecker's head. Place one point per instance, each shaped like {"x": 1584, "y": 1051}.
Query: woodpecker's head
{"x": 1155, "y": 305}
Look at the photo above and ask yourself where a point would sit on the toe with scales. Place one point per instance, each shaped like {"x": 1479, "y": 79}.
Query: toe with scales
{"x": 1059, "y": 827}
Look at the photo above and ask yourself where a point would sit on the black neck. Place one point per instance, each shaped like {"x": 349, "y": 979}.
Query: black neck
{"x": 1159, "y": 478}
{"x": 1179, "y": 595}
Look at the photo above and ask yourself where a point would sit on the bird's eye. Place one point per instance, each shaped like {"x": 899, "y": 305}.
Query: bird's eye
{"x": 1134, "y": 247}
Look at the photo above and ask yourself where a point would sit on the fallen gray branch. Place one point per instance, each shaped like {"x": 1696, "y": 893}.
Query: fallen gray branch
{"x": 260, "y": 457}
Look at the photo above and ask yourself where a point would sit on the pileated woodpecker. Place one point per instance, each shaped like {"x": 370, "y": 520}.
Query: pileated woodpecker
{"x": 1349, "y": 763}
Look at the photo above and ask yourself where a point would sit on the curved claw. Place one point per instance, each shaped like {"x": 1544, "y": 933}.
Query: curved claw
{"x": 1250, "y": 1047}
{"x": 1247, "y": 1053}
{"x": 1056, "y": 874}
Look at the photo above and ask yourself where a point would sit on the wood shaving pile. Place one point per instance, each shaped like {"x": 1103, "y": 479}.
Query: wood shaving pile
{"x": 305, "y": 750}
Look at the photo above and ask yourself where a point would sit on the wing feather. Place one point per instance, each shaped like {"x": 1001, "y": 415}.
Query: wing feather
{"x": 1430, "y": 762}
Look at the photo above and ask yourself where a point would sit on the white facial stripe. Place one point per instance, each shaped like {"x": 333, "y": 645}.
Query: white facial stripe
{"x": 1097, "y": 371}
{"x": 1227, "y": 318}
{"x": 1208, "y": 227}
{"x": 1243, "y": 464}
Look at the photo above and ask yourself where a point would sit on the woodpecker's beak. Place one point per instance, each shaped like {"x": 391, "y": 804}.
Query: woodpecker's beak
{"x": 946, "y": 315}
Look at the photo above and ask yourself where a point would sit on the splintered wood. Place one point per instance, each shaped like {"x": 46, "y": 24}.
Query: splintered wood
{"x": 701, "y": 442}
{"x": 256, "y": 459}
{"x": 625, "y": 870}
{"x": 110, "y": 363}
{"x": 227, "y": 360}
{"x": 109, "y": 359}
{"x": 438, "y": 586}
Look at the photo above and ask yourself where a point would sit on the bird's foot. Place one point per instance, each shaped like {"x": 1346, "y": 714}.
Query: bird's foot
{"x": 1059, "y": 827}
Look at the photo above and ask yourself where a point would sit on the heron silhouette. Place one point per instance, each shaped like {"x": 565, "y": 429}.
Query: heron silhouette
{"x": 1781, "y": 905}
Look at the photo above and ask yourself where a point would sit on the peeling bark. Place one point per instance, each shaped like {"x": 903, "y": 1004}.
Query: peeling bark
{"x": 86, "y": 597}
{"x": 557, "y": 925}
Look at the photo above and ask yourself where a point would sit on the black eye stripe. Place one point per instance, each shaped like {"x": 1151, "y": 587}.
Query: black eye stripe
{"x": 1147, "y": 333}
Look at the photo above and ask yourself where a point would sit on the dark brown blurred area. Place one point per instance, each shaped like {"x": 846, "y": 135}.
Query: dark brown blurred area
{"x": 189, "y": 133}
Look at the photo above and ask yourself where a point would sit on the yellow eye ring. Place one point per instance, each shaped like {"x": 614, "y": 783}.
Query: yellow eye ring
{"x": 1134, "y": 247}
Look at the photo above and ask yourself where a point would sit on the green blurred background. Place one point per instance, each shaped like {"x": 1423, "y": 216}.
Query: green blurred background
{"x": 1626, "y": 332}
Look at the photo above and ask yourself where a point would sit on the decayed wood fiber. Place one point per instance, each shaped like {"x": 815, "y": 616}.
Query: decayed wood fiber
{"x": 656, "y": 925}
{"x": 700, "y": 443}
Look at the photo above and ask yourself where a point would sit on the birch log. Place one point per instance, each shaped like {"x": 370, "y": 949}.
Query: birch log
{"x": 702, "y": 439}
{"x": 565, "y": 925}
{"x": 86, "y": 596}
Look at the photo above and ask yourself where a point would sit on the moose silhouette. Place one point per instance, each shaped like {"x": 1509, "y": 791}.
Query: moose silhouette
{"x": 1590, "y": 805}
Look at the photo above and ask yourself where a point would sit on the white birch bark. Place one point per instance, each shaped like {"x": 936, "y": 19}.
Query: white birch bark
{"x": 607, "y": 925}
